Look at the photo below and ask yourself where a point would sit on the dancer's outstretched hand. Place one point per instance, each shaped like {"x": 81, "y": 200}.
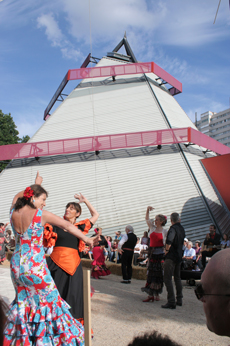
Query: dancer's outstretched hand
{"x": 150, "y": 208}
{"x": 93, "y": 241}
{"x": 80, "y": 197}
{"x": 38, "y": 179}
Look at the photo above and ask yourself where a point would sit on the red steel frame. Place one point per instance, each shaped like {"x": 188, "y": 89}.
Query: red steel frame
{"x": 116, "y": 70}
{"x": 111, "y": 142}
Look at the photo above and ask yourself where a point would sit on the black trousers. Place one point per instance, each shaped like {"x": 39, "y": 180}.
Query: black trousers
{"x": 126, "y": 264}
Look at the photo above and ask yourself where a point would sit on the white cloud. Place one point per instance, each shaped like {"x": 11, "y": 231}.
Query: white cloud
{"x": 177, "y": 22}
{"x": 57, "y": 38}
{"x": 52, "y": 30}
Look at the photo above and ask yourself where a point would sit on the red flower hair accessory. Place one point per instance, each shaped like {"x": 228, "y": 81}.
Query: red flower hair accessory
{"x": 96, "y": 230}
{"x": 28, "y": 193}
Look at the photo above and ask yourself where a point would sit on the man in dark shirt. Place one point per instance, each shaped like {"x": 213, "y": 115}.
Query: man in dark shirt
{"x": 172, "y": 264}
{"x": 211, "y": 241}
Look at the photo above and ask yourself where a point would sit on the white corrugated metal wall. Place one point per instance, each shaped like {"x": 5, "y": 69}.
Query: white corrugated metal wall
{"x": 122, "y": 183}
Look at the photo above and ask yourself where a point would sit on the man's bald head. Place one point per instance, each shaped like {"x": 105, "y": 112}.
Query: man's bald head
{"x": 219, "y": 269}
{"x": 215, "y": 281}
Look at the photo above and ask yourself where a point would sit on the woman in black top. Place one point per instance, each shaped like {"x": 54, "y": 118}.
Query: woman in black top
{"x": 64, "y": 263}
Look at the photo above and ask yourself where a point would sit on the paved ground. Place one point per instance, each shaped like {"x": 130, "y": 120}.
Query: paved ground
{"x": 118, "y": 313}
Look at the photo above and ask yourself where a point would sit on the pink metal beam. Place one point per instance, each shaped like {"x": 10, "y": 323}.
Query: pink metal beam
{"x": 207, "y": 142}
{"x": 110, "y": 142}
{"x": 115, "y": 70}
{"x": 125, "y": 69}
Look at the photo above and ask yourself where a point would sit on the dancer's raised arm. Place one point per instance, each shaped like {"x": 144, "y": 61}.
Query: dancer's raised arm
{"x": 38, "y": 181}
{"x": 93, "y": 212}
{"x": 147, "y": 219}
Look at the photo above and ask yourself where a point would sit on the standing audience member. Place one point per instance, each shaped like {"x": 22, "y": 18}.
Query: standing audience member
{"x": 214, "y": 292}
{"x": 157, "y": 234}
{"x": 125, "y": 247}
{"x": 172, "y": 265}
{"x": 211, "y": 241}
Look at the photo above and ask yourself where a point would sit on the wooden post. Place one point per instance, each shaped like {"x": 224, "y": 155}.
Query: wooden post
{"x": 87, "y": 306}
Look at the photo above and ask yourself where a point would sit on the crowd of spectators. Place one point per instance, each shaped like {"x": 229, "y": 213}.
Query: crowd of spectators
{"x": 111, "y": 252}
{"x": 7, "y": 242}
{"x": 192, "y": 253}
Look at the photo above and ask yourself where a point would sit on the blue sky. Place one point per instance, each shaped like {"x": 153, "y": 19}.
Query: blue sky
{"x": 40, "y": 40}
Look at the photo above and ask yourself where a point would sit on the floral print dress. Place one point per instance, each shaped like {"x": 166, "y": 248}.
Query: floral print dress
{"x": 38, "y": 315}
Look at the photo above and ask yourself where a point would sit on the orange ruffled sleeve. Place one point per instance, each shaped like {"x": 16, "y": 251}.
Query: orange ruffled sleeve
{"x": 88, "y": 225}
{"x": 49, "y": 237}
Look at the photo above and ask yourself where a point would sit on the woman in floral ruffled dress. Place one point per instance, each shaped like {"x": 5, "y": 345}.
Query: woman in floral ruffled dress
{"x": 38, "y": 315}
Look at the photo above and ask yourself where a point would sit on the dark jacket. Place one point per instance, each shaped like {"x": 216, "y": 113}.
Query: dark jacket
{"x": 175, "y": 238}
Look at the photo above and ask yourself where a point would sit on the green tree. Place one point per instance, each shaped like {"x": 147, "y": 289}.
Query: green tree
{"x": 25, "y": 139}
{"x": 9, "y": 134}
{"x": 8, "y": 130}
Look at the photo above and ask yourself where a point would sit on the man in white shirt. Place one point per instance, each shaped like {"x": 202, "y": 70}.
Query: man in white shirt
{"x": 189, "y": 252}
{"x": 126, "y": 248}
{"x": 188, "y": 257}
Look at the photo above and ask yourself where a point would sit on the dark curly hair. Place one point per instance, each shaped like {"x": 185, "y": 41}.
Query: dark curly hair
{"x": 22, "y": 201}
{"x": 153, "y": 339}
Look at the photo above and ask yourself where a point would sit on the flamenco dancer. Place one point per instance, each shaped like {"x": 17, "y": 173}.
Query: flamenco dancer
{"x": 157, "y": 234}
{"x": 64, "y": 262}
{"x": 98, "y": 265}
{"x": 38, "y": 315}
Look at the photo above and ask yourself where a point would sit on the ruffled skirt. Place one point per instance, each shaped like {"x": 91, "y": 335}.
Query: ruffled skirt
{"x": 155, "y": 282}
{"x": 48, "y": 325}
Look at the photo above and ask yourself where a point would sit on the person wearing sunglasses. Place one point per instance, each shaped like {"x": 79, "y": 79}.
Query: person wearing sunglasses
{"x": 214, "y": 293}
